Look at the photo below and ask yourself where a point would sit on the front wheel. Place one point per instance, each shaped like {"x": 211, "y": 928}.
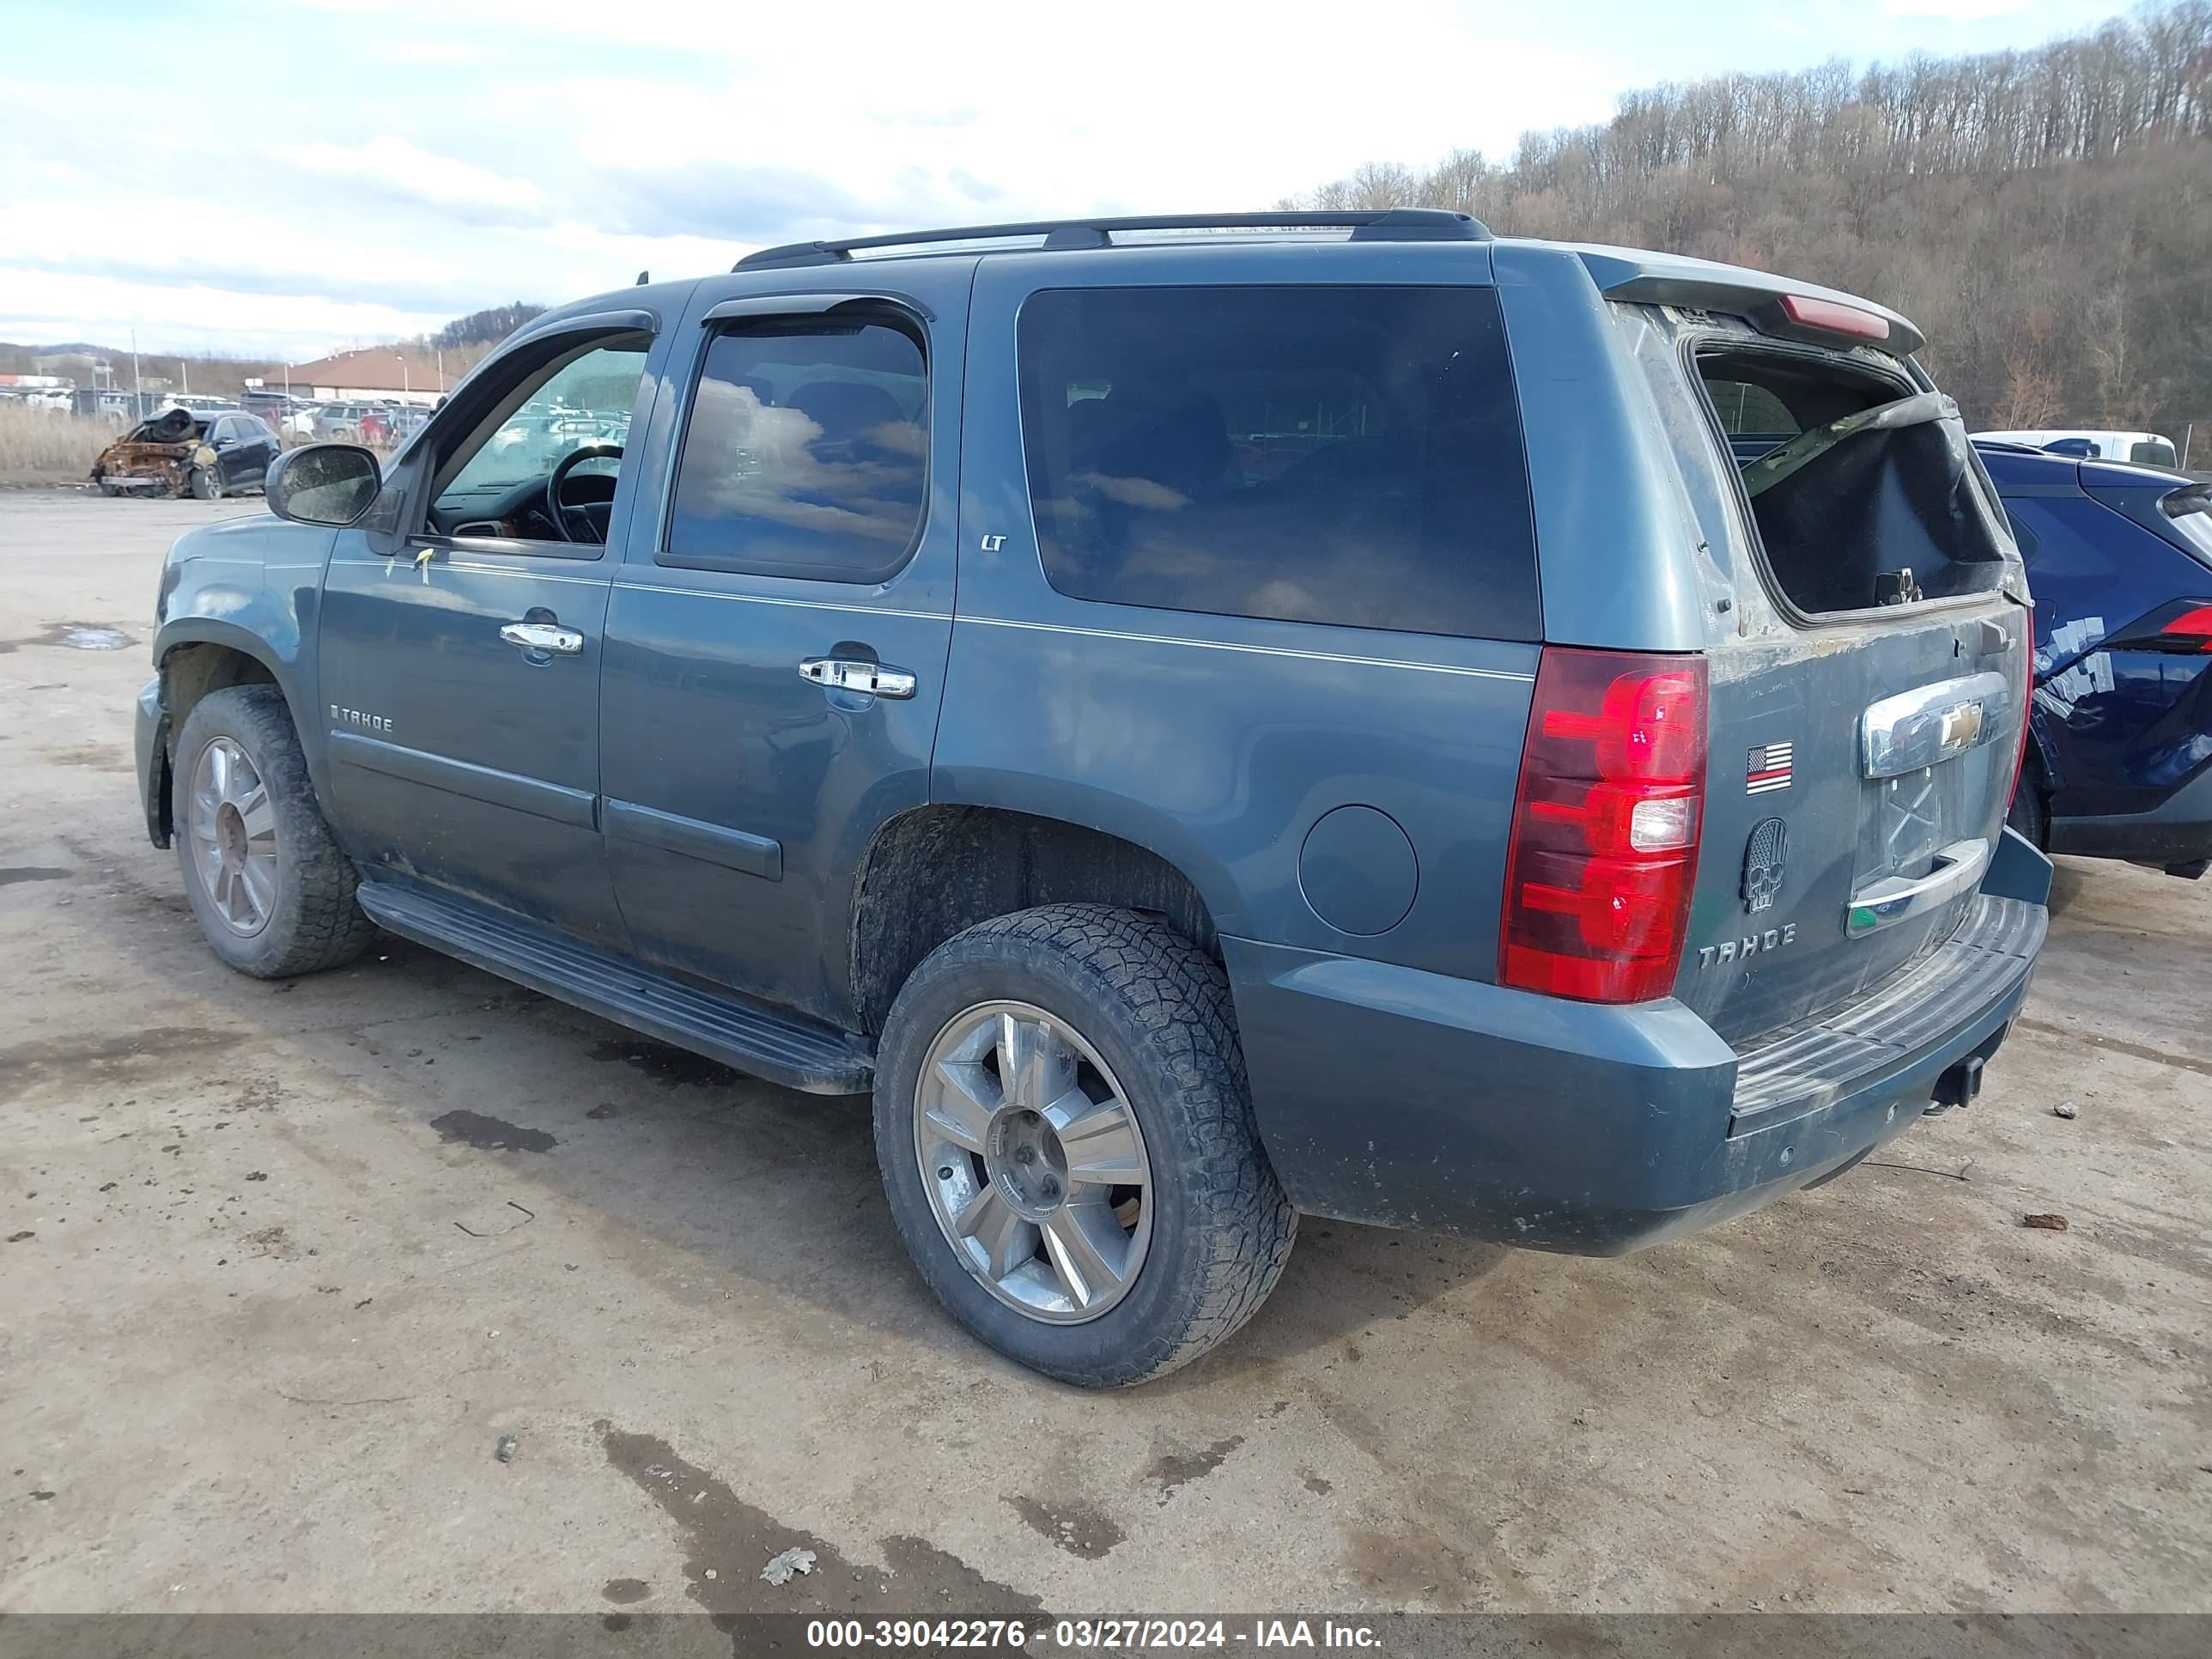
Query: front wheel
{"x": 1066, "y": 1139}
{"x": 267, "y": 882}
{"x": 206, "y": 486}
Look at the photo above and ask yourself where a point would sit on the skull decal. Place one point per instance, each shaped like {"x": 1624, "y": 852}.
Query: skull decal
{"x": 1763, "y": 856}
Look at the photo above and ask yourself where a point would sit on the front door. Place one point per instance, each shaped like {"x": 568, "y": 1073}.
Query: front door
{"x": 460, "y": 672}
{"x": 776, "y": 639}
{"x": 238, "y": 459}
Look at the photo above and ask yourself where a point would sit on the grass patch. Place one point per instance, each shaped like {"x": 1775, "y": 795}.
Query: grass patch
{"x": 41, "y": 446}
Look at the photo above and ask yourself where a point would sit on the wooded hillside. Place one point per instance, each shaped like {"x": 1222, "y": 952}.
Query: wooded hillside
{"x": 2044, "y": 215}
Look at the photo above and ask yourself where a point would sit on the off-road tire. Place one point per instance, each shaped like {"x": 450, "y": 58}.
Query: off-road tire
{"x": 206, "y": 484}
{"x": 1158, "y": 1010}
{"x": 314, "y": 922}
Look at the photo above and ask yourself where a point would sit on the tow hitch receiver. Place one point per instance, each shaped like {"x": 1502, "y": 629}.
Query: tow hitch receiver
{"x": 1957, "y": 1086}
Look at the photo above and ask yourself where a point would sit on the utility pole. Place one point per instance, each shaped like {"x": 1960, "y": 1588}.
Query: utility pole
{"x": 137, "y": 393}
{"x": 441, "y": 373}
{"x": 406, "y": 392}
{"x": 185, "y": 374}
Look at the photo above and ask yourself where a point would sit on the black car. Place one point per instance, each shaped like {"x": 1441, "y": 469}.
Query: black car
{"x": 244, "y": 448}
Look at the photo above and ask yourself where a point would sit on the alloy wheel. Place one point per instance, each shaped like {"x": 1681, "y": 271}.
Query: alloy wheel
{"x": 1034, "y": 1163}
{"x": 233, "y": 826}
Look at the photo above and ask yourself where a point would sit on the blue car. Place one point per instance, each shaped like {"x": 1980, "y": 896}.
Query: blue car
{"x": 2119, "y": 557}
{"x": 1205, "y": 720}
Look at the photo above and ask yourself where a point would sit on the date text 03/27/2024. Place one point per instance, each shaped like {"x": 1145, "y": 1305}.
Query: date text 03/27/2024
{"x": 1088, "y": 1635}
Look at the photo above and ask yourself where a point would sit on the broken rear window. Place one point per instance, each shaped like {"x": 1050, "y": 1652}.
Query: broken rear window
{"x": 1862, "y": 496}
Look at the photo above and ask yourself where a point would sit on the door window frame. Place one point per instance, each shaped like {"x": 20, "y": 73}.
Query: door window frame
{"x": 740, "y": 315}
{"x": 433, "y": 471}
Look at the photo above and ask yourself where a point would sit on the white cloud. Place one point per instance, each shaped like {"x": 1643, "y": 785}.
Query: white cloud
{"x": 400, "y": 165}
{"x": 414, "y": 159}
{"x": 1955, "y": 12}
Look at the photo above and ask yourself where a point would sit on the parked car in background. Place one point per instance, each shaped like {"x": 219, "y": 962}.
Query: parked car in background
{"x": 340, "y": 422}
{"x": 203, "y": 406}
{"x": 2143, "y": 449}
{"x": 1203, "y": 729}
{"x": 181, "y": 453}
{"x": 2119, "y": 559}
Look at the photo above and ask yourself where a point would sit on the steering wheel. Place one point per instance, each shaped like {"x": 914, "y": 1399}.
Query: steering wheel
{"x": 558, "y": 510}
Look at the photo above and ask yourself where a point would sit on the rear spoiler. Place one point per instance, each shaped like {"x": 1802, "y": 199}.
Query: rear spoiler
{"x": 2190, "y": 498}
{"x": 1772, "y": 305}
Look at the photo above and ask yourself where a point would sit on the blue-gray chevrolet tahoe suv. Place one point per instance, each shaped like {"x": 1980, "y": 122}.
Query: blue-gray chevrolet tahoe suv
{"x": 1208, "y": 721}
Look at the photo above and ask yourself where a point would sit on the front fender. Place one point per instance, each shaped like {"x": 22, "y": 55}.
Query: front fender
{"x": 250, "y": 586}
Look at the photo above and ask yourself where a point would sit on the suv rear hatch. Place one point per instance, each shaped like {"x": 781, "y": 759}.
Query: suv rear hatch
{"x": 1866, "y": 653}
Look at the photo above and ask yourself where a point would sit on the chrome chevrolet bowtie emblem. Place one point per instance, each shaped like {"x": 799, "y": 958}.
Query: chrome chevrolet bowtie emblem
{"x": 1962, "y": 725}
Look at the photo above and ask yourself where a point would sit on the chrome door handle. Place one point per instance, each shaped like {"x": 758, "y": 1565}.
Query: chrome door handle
{"x": 1896, "y": 898}
{"x": 544, "y": 636}
{"x": 850, "y": 674}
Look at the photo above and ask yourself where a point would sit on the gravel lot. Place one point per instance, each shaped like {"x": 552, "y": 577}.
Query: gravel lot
{"x": 286, "y": 1262}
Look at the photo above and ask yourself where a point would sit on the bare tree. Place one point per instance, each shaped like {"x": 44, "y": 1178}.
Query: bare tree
{"x": 2045, "y": 215}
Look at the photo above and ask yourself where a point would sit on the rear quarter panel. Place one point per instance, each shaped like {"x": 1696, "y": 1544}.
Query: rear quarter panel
{"x": 1220, "y": 742}
{"x": 2115, "y": 731}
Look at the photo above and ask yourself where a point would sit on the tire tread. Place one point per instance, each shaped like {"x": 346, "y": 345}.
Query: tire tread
{"x": 1179, "y": 998}
{"x": 327, "y": 926}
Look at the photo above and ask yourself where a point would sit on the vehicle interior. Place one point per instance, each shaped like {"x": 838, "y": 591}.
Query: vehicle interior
{"x": 541, "y": 465}
{"x": 1861, "y": 490}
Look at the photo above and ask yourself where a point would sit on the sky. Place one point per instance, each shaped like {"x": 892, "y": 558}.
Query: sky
{"x": 260, "y": 179}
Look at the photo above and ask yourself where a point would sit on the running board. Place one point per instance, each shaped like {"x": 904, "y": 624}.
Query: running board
{"x": 748, "y": 1036}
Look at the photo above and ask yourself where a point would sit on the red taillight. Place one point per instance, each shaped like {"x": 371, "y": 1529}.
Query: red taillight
{"x": 1604, "y": 846}
{"x": 2191, "y": 629}
{"x": 1836, "y": 319}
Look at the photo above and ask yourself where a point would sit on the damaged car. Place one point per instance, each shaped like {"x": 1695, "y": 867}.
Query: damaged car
{"x": 1203, "y": 728}
{"x": 182, "y": 452}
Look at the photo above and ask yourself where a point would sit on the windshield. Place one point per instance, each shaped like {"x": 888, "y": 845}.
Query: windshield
{"x": 587, "y": 401}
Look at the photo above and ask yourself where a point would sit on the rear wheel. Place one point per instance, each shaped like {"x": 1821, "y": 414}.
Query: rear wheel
{"x": 1067, "y": 1144}
{"x": 266, "y": 881}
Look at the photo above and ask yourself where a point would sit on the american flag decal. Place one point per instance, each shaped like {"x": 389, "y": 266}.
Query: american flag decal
{"x": 1767, "y": 769}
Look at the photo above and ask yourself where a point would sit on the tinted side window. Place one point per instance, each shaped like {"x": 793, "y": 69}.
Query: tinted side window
{"x": 1347, "y": 455}
{"x": 1748, "y": 410}
{"x": 804, "y": 455}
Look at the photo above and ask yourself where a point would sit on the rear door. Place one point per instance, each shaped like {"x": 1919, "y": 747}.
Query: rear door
{"x": 1867, "y": 690}
{"x": 777, "y": 637}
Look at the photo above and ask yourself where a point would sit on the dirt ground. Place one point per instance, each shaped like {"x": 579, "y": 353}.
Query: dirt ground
{"x": 286, "y": 1262}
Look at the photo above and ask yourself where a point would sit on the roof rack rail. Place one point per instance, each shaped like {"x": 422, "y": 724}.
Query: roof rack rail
{"x": 1383, "y": 225}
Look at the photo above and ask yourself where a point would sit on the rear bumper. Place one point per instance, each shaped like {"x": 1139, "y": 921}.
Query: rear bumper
{"x": 1408, "y": 1099}
{"x": 151, "y": 738}
{"x": 2176, "y": 831}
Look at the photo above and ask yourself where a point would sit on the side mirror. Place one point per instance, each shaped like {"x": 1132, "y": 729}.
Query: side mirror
{"x": 324, "y": 483}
